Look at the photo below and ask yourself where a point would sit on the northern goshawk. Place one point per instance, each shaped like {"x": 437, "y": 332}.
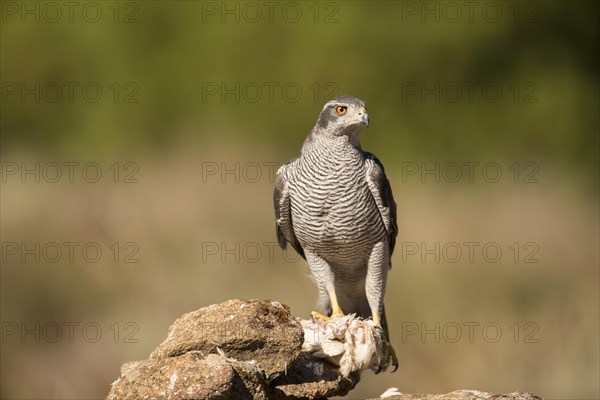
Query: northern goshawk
{"x": 334, "y": 205}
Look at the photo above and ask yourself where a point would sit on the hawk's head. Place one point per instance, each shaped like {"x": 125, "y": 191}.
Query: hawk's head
{"x": 343, "y": 115}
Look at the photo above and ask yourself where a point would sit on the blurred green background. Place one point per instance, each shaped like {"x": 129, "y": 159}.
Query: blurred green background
{"x": 193, "y": 103}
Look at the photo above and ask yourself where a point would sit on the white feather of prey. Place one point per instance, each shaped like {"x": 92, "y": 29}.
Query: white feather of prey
{"x": 348, "y": 342}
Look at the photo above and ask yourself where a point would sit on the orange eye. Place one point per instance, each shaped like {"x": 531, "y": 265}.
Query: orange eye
{"x": 341, "y": 110}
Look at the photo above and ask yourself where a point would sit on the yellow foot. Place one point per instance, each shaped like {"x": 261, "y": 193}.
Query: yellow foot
{"x": 321, "y": 317}
{"x": 335, "y": 308}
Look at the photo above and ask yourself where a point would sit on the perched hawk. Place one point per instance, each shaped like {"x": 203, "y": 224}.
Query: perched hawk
{"x": 334, "y": 205}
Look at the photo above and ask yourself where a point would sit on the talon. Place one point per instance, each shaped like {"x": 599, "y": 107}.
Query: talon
{"x": 317, "y": 315}
{"x": 389, "y": 355}
{"x": 394, "y": 359}
{"x": 335, "y": 308}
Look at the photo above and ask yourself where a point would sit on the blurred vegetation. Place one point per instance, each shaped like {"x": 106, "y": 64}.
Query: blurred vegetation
{"x": 164, "y": 61}
{"x": 170, "y": 52}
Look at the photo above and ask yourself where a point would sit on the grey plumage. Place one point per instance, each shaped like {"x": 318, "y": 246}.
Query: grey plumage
{"x": 335, "y": 206}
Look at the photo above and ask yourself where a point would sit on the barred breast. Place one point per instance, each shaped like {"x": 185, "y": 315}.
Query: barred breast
{"x": 333, "y": 211}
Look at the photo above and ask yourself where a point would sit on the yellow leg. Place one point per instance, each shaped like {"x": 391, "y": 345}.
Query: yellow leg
{"x": 336, "y": 311}
{"x": 377, "y": 319}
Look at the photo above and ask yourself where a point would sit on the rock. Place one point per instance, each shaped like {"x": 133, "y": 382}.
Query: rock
{"x": 234, "y": 350}
{"x": 393, "y": 394}
{"x": 189, "y": 376}
{"x": 310, "y": 378}
{"x": 256, "y": 330}
{"x": 256, "y": 349}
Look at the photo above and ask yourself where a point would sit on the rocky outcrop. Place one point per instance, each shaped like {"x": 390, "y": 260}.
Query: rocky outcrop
{"x": 263, "y": 333}
{"x": 235, "y": 350}
{"x": 256, "y": 349}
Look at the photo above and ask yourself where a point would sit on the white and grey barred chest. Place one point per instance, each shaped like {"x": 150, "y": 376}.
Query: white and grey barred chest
{"x": 333, "y": 211}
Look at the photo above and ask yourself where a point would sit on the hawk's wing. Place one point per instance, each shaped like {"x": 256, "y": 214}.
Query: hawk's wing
{"x": 382, "y": 194}
{"x": 283, "y": 213}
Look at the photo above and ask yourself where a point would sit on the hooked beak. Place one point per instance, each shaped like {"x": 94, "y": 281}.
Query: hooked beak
{"x": 363, "y": 117}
